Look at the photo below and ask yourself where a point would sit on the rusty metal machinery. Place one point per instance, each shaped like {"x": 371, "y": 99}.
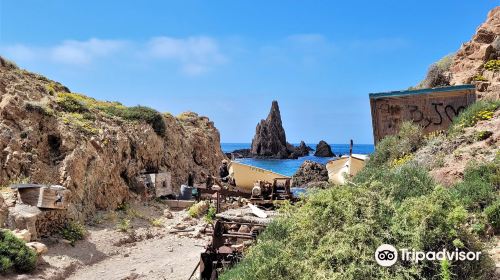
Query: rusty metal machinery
{"x": 226, "y": 247}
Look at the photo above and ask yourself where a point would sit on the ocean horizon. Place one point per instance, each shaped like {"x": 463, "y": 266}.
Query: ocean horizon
{"x": 288, "y": 167}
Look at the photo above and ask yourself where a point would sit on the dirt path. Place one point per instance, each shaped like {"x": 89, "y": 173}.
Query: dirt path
{"x": 146, "y": 250}
{"x": 168, "y": 257}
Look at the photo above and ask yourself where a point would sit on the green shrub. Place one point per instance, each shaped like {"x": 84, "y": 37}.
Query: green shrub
{"x": 15, "y": 254}
{"x": 492, "y": 213}
{"x": 480, "y": 110}
{"x": 71, "y": 102}
{"x": 124, "y": 225}
{"x": 83, "y": 122}
{"x": 480, "y": 186}
{"x": 333, "y": 233}
{"x": 479, "y": 78}
{"x": 78, "y": 103}
{"x": 141, "y": 113}
{"x": 437, "y": 74}
{"x": 393, "y": 147}
{"x": 492, "y": 65}
{"x": 73, "y": 231}
{"x": 210, "y": 216}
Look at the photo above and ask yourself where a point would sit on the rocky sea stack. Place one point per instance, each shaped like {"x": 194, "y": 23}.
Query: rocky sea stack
{"x": 323, "y": 150}
{"x": 270, "y": 139}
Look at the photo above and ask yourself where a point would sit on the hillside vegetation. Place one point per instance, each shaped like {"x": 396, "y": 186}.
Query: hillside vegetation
{"x": 333, "y": 233}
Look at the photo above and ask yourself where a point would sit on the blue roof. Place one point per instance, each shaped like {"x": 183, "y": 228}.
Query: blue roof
{"x": 419, "y": 91}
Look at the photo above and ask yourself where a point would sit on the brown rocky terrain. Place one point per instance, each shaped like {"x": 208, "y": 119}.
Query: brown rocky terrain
{"x": 94, "y": 154}
{"x": 468, "y": 65}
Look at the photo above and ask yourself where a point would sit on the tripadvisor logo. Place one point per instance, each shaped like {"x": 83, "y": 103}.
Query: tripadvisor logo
{"x": 387, "y": 255}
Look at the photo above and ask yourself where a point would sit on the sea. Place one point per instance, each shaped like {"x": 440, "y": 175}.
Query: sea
{"x": 288, "y": 167}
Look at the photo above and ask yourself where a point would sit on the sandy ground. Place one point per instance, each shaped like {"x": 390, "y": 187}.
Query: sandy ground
{"x": 146, "y": 251}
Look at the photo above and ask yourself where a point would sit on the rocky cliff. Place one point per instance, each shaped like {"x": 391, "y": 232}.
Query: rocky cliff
{"x": 93, "y": 148}
{"x": 270, "y": 139}
{"x": 477, "y": 61}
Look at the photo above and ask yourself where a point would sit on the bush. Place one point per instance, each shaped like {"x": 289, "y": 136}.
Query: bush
{"x": 141, "y": 113}
{"x": 480, "y": 110}
{"x": 15, "y": 254}
{"x": 333, "y": 233}
{"x": 492, "y": 65}
{"x": 210, "y": 216}
{"x": 480, "y": 186}
{"x": 492, "y": 213}
{"x": 71, "y": 102}
{"x": 479, "y": 78}
{"x": 73, "y": 231}
{"x": 437, "y": 74}
{"x": 78, "y": 103}
{"x": 124, "y": 225}
{"x": 199, "y": 209}
{"x": 393, "y": 147}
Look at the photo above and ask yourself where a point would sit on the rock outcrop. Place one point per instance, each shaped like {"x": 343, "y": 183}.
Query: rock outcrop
{"x": 270, "y": 139}
{"x": 301, "y": 151}
{"x": 310, "y": 172}
{"x": 469, "y": 63}
{"x": 323, "y": 150}
{"x": 240, "y": 153}
{"x": 78, "y": 143}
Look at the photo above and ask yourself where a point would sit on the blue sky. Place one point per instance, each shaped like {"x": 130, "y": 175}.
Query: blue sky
{"x": 229, "y": 59}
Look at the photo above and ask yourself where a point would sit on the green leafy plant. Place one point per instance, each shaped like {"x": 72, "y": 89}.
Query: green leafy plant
{"x": 15, "y": 254}
{"x": 124, "y": 225}
{"x": 479, "y": 187}
{"x": 73, "y": 231}
{"x": 492, "y": 213}
{"x": 210, "y": 216}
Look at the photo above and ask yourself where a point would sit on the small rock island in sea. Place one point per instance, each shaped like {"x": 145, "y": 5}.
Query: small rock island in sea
{"x": 270, "y": 142}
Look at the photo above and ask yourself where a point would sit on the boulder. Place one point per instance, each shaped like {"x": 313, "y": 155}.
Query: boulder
{"x": 22, "y": 234}
{"x": 323, "y": 150}
{"x": 270, "y": 139}
{"x": 38, "y": 247}
{"x": 310, "y": 172}
{"x": 24, "y": 216}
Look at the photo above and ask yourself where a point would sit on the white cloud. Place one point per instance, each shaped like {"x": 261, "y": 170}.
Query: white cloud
{"x": 196, "y": 55}
{"x": 84, "y": 52}
{"x": 191, "y": 55}
{"x": 68, "y": 52}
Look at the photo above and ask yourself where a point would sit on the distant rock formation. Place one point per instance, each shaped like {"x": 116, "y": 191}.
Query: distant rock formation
{"x": 241, "y": 153}
{"x": 270, "y": 139}
{"x": 301, "y": 151}
{"x": 310, "y": 172}
{"x": 323, "y": 150}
